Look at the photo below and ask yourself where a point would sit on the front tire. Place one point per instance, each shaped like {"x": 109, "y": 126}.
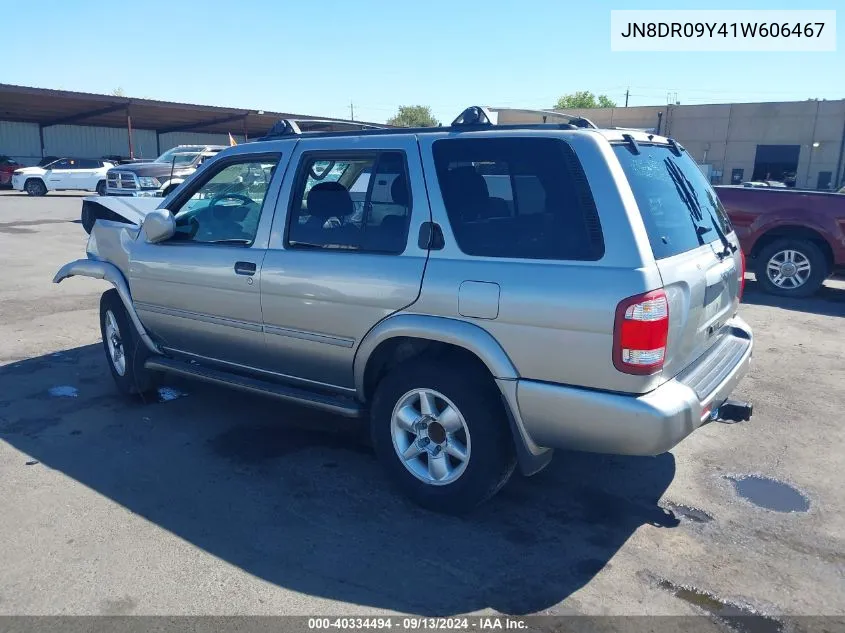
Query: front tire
{"x": 101, "y": 188}
{"x": 440, "y": 430}
{"x": 35, "y": 187}
{"x": 125, "y": 352}
{"x": 791, "y": 268}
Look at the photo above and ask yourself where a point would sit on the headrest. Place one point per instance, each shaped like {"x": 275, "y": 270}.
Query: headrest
{"x": 329, "y": 200}
{"x": 399, "y": 190}
{"x": 467, "y": 184}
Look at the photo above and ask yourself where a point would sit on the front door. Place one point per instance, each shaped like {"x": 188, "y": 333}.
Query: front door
{"x": 344, "y": 255}
{"x": 59, "y": 174}
{"x": 199, "y": 292}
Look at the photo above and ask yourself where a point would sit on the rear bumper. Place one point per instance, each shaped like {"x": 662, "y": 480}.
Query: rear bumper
{"x": 557, "y": 416}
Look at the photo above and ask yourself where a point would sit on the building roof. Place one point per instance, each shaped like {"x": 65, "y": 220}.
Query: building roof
{"x": 57, "y": 107}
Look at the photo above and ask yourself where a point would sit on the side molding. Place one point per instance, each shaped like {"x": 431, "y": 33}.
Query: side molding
{"x": 111, "y": 273}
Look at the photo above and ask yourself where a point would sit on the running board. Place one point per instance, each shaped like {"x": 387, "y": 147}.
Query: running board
{"x": 334, "y": 404}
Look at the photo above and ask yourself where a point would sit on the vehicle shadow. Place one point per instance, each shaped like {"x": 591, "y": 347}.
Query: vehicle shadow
{"x": 828, "y": 301}
{"x": 297, "y": 498}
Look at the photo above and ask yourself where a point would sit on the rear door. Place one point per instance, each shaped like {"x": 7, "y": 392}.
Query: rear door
{"x": 693, "y": 243}
{"x": 343, "y": 252}
{"x": 85, "y": 175}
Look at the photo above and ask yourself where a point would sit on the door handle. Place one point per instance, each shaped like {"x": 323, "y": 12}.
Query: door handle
{"x": 245, "y": 268}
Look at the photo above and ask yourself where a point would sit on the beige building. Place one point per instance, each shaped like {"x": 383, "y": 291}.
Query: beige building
{"x": 799, "y": 142}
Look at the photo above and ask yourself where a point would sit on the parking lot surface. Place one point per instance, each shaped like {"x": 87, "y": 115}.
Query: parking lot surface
{"x": 207, "y": 501}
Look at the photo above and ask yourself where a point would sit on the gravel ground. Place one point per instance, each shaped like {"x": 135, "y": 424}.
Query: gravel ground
{"x": 212, "y": 502}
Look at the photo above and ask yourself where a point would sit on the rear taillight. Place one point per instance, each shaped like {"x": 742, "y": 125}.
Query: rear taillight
{"x": 741, "y": 274}
{"x": 640, "y": 332}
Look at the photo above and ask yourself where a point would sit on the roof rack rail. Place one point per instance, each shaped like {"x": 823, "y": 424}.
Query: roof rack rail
{"x": 295, "y": 127}
{"x": 545, "y": 115}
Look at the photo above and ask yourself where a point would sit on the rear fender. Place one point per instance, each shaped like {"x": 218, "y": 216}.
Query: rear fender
{"x": 104, "y": 270}
{"x": 532, "y": 458}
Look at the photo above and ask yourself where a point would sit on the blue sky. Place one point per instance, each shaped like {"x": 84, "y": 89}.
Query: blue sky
{"x": 378, "y": 54}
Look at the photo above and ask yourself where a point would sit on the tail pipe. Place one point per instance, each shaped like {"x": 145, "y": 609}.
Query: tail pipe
{"x": 735, "y": 411}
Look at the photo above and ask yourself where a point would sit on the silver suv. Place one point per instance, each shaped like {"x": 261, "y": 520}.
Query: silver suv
{"x": 483, "y": 293}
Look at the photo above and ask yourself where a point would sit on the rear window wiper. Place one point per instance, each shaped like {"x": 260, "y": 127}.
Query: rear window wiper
{"x": 684, "y": 196}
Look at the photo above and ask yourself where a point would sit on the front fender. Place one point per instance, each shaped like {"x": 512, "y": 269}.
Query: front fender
{"x": 97, "y": 269}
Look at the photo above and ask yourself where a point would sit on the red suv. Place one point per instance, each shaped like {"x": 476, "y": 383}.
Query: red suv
{"x": 793, "y": 240}
{"x": 7, "y": 166}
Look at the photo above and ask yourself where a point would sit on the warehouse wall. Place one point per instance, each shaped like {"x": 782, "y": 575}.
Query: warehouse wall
{"x": 20, "y": 141}
{"x": 726, "y": 136}
{"x": 92, "y": 142}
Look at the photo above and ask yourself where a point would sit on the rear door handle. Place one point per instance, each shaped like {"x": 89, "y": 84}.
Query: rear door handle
{"x": 245, "y": 268}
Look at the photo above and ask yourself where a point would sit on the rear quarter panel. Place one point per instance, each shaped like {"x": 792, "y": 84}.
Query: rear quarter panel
{"x": 555, "y": 318}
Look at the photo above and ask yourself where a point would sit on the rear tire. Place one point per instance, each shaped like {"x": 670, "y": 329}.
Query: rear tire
{"x": 101, "y": 188}
{"x": 791, "y": 268}
{"x": 35, "y": 187}
{"x": 463, "y": 454}
{"x": 125, "y": 352}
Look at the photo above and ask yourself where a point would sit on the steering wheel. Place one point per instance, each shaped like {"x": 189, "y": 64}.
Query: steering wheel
{"x": 212, "y": 205}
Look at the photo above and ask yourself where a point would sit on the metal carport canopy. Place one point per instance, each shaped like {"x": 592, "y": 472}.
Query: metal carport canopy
{"x": 58, "y": 107}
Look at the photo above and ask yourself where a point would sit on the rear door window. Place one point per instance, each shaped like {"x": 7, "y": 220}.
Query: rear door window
{"x": 518, "y": 198}
{"x": 351, "y": 203}
{"x": 679, "y": 208}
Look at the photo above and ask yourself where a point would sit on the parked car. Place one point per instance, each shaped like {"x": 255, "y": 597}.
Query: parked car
{"x": 64, "y": 174}
{"x": 794, "y": 240}
{"x": 159, "y": 177}
{"x": 7, "y": 166}
{"x": 46, "y": 160}
{"x": 590, "y": 304}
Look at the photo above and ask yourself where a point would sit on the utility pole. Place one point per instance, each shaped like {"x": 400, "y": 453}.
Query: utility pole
{"x": 627, "y": 90}
{"x": 351, "y": 111}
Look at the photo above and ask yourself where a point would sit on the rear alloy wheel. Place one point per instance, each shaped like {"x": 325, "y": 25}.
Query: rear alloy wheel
{"x": 430, "y": 436}
{"x": 791, "y": 268}
{"x": 440, "y": 430}
{"x": 101, "y": 188}
{"x": 35, "y": 187}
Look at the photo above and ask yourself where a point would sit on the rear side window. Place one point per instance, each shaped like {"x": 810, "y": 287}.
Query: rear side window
{"x": 518, "y": 198}
{"x": 679, "y": 208}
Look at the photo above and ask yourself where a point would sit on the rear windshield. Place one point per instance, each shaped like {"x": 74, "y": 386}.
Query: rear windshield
{"x": 679, "y": 207}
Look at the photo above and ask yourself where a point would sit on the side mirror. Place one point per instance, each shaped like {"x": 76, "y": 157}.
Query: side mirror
{"x": 158, "y": 225}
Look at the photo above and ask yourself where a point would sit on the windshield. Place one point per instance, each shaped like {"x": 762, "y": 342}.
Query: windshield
{"x": 679, "y": 208}
{"x": 184, "y": 155}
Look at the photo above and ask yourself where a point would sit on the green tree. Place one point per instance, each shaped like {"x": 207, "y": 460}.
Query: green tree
{"x": 414, "y": 116}
{"x": 583, "y": 99}
{"x": 118, "y": 92}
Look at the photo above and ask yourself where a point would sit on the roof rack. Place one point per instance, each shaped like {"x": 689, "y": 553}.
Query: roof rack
{"x": 295, "y": 127}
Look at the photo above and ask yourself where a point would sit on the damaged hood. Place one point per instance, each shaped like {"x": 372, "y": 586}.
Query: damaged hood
{"x": 133, "y": 209}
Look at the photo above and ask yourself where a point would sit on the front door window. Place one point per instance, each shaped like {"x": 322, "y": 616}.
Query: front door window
{"x": 227, "y": 206}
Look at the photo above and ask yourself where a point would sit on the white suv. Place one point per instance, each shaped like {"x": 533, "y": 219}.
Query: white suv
{"x": 74, "y": 174}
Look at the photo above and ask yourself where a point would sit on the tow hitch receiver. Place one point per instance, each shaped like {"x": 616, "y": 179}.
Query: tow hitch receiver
{"x": 734, "y": 411}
